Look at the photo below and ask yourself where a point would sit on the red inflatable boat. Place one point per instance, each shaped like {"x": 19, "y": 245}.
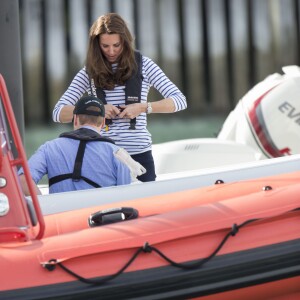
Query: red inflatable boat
{"x": 237, "y": 240}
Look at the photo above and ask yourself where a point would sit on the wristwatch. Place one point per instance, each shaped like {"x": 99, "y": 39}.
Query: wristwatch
{"x": 149, "y": 108}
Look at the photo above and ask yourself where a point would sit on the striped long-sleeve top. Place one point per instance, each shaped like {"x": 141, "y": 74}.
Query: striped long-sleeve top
{"x": 134, "y": 141}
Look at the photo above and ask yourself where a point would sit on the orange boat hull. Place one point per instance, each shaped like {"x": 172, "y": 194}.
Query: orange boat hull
{"x": 186, "y": 227}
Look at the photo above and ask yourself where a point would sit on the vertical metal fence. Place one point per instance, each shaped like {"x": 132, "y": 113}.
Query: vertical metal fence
{"x": 214, "y": 50}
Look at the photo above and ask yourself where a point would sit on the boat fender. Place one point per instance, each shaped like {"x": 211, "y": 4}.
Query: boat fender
{"x": 112, "y": 215}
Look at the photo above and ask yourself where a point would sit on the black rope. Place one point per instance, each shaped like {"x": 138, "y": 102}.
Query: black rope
{"x": 147, "y": 248}
{"x": 51, "y": 266}
{"x": 234, "y": 230}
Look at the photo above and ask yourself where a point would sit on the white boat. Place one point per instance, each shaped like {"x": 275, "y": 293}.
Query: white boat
{"x": 264, "y": 124}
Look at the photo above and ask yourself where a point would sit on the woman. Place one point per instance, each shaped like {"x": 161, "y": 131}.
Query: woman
{"x": 121, "y": 78}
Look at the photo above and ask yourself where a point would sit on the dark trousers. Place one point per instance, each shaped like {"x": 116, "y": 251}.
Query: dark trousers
{"x": 146, "y": 160}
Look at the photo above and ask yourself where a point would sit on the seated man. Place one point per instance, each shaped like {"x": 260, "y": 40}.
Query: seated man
{"x": 82, "y": 159}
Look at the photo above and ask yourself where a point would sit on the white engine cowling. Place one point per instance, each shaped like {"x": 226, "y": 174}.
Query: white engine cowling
{"x": 267, "y": 118}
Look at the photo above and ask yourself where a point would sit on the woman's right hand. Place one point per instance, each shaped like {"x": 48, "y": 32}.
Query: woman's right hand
{"x": 111, "y": 111}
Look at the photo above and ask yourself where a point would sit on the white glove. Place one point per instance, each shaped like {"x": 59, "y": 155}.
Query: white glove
{"x": 136, "y": 169}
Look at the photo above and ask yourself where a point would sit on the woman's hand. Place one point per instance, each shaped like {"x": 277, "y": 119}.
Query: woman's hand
{"x": 111, "y": 111}
{"x": 131, "y": 111}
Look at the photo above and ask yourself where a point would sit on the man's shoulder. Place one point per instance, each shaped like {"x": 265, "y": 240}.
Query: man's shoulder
{"x": 105, "y": 144}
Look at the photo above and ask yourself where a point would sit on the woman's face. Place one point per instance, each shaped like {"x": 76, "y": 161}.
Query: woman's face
{"x": 111, "y": 46}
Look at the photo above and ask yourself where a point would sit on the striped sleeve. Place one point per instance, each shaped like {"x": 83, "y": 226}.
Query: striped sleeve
{"x": 77, "y": 88}
{"x": 158, "y": 79}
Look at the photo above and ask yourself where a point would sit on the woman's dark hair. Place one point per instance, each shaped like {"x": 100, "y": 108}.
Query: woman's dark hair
{"x": 97, "y": 65}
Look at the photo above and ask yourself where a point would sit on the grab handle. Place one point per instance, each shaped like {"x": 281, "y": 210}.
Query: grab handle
{"x": 112, "y": 215}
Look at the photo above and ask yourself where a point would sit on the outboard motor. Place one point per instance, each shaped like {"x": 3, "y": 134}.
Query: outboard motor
{"x": 267, "y": 118}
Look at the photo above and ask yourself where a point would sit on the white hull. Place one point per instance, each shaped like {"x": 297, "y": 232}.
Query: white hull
{"x": 195, "y": 154}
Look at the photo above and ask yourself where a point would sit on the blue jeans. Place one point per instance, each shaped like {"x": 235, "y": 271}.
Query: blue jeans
{"x": 146, "y": 160}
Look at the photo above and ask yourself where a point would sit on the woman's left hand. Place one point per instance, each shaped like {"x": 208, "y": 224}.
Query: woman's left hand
{"x": 131, "y": 111}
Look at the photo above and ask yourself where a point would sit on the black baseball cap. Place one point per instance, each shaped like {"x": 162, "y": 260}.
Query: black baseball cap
{"x": 82, "y": 105}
